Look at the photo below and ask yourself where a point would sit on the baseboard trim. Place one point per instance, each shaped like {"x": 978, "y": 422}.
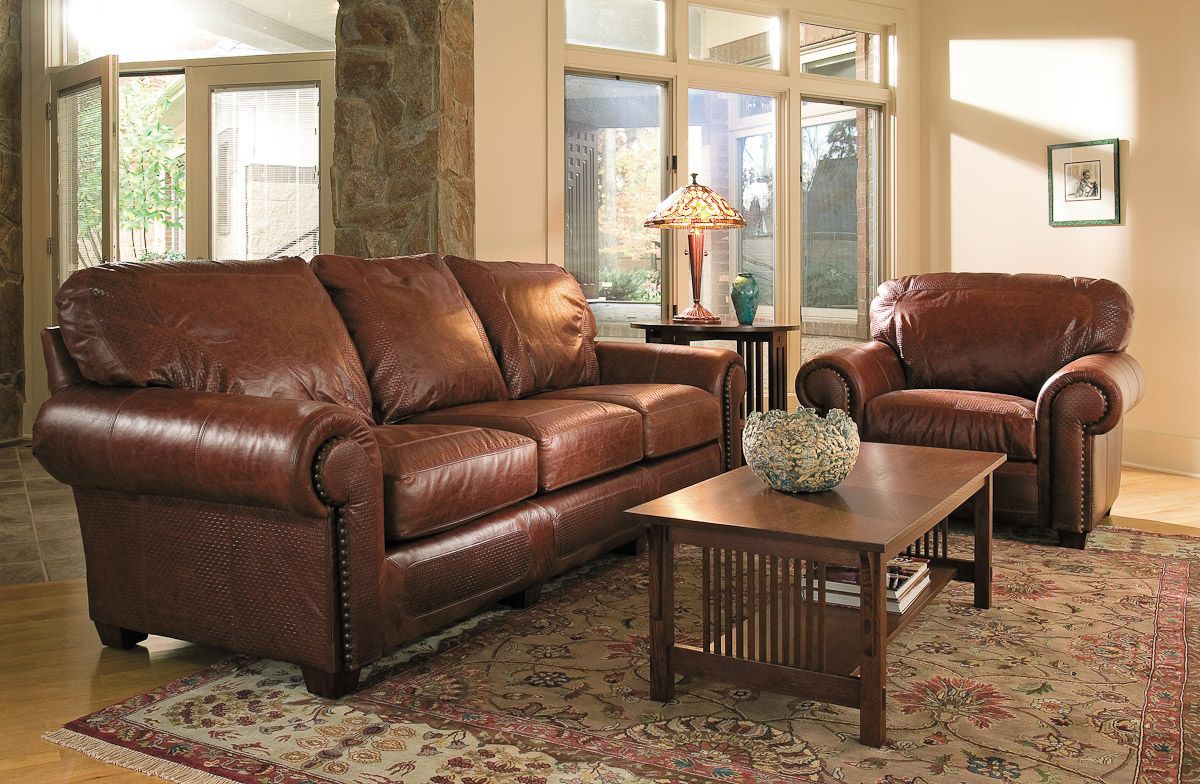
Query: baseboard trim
{"x": 1160, "y": 470}
{"x": 1165, "y": 452}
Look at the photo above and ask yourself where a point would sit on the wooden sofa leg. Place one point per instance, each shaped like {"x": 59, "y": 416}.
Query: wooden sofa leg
{"x": 330, "y": 685}
{"x": 1073, "y": 539}
{"x": 116, "y": 637}
{"x": 522, "y": 599}
{"x": 633, "y": 547}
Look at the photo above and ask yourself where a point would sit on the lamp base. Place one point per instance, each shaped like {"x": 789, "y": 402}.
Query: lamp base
{"x": 697, "y": 314}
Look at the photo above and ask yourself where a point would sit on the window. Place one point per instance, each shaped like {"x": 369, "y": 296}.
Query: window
{"x": 153, "y": 30}
{"x": 839, "y": 171}
{"x": 615, "y": 165}
{"x": 629, "y": 25}
{"x": 151, "y": 168}
{"x": 845, "y": 54}
{"x": 731, "y": 145}
{"x": 729, "y": 37}
{"x": 793, "y": 134}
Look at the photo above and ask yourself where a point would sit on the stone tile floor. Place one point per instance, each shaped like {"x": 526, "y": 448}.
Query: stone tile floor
{"x": 39, "y": 532}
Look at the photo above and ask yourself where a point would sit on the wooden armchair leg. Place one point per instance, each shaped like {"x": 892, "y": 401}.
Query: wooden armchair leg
{"x": 330, "y": 685}
{"x": 1073, "y": 539}
{"x": 116, "y": 637}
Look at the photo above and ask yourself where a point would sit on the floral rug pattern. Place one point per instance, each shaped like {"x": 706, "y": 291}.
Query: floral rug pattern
{"x": 1083, "y": 671}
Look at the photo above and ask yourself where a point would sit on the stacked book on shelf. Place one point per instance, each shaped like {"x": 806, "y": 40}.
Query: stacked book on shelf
{"x": 907, "y": 577}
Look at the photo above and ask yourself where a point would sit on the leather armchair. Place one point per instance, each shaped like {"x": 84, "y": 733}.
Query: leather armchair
{"x": 1030, "y": 365}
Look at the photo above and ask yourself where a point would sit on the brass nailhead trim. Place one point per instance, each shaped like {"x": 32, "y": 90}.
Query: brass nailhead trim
{"x": 343, "y": 551}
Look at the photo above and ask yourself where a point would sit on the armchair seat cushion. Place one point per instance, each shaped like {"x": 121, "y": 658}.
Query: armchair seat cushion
{"x": 436, "y": 477}
{"x": 576, "y": 439}
{"x": 675, "y": 417}
{"x": 954, "y": 419}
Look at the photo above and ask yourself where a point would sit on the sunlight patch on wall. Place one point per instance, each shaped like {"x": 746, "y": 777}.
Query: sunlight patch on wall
{"x": 1077, "y": 88}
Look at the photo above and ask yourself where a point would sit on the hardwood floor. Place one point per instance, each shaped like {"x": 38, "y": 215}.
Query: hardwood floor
{"x": 53, "y": 668}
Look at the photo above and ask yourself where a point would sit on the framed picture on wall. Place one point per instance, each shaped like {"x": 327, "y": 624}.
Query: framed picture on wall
{"x": 1085, "y": 183}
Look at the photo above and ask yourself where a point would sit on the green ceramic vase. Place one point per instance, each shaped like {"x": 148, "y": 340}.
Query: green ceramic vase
{"x": 744, "y": 294}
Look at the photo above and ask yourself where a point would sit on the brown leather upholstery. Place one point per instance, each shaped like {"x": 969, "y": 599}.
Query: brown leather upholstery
{"x": 1030, "y": 365}
{"x": 996, "y": 332}
{"x": 674, "y": 417}
{"x": 255, "y": 522}
{"x": 203, "y": 326}
{"x": 576, "y": 439}
{"x": 439, "y": 476}
{"x": 538, "y": 320}
{"x": 954, "y": 419}
{"x": 719, "y": 372}
{"x": 421, "y": 343}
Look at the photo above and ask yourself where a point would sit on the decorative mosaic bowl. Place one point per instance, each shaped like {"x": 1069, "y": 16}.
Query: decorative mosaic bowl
{"x": 801, "y": 452}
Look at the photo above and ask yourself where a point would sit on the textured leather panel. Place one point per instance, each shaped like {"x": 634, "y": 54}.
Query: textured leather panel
{"x": 592, "y": 511}
{"x": 576, "y": 440}
{"x": 849, "y": 377}
{"x": 250, "y": 580}
{"x": 537, "y": 319}
{"x": 719, "y": 372}
{"x": 203, "y": 326}
{"x": 1117, "y": 377}
{"x": 439, "y": 476}
{"x": 668, "y": 474}
{"x": 954, "y": 419}
{"x": 422, "y": 345}
{"x": 201, "y": 445}
{"x": 61, "y": 370}
{"x": 995, "y": 332}
{"x": 434, "y": 580}
{"x": 1014, "y": 496}
{"x": 674, "y": 417}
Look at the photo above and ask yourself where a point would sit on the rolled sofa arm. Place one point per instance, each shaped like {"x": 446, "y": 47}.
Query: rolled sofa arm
{"x": 848, "y": 377}
{"x": 719, "y": 372}
{"x": 1093, "y": 391}
{"x": 230, "y": 449}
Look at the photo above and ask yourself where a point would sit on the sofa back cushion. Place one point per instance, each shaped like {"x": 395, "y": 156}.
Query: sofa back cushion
{"x": 420, "y": 340}
{"x": 264, "y": 328}
{"x": 538, "y": 321}
{"x": 994, "y": 332}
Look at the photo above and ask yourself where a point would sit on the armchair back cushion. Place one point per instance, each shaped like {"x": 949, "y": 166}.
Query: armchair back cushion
{"x": 422, "y": 345}
{"x": 263, "y": 328}
{"x": 995, "y": 332}
{"x": 538, "y": 321}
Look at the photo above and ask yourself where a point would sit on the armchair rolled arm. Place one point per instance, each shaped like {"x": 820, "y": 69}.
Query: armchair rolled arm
{"x": 1094, "y": 391}
{"x": 848, "y": 377}
{"x": 230, "y": 449}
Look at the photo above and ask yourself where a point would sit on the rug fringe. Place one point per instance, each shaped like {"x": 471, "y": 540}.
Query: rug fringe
{"x": 132, "y": 760}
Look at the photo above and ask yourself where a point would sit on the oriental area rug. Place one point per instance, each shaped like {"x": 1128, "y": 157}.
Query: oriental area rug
{"x": 1084, "y": 671}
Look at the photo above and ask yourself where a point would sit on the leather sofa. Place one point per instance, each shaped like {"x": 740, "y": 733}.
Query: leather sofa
{"x": 318, "y": 463}
{"x": 1033, "y": 366}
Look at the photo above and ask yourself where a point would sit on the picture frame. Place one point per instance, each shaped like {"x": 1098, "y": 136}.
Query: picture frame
{"x": 1084, "y": 182}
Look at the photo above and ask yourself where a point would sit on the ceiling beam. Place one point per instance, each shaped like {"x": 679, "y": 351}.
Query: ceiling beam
{"x": 236, "y": 21}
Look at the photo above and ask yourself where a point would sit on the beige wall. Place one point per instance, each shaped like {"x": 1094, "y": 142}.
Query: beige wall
{"x": 510, "y": 130}
{"x": 1000, "y": 81}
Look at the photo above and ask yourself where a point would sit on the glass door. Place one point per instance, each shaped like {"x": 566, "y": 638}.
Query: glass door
{"x": 83, "y": 119}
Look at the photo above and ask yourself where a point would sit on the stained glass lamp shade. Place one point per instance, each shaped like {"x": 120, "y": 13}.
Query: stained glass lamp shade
{"x": 695, "y": 207}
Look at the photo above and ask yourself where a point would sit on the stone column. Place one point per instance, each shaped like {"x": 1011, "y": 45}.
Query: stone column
{"x": 12, "y": 355}
{"x": 404, "y": 149}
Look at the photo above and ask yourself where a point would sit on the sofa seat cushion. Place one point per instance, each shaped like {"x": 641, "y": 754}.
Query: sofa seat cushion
{"x": 576, "y": 439}
{"x": 422, "y": 345}
{"x": 954, "y": 419}
{"x": 675, "y": 417}
{"x": 439, "y": 476}
{"x": 262, "y": 328}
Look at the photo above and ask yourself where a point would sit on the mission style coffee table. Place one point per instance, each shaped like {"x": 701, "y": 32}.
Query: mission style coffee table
{"x": 765, "y": 622}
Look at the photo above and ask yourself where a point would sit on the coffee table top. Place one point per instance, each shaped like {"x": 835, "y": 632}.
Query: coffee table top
{"x": 893, "y": 495}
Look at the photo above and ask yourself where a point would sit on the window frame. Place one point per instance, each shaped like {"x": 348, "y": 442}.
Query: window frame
{"x": 897, "y": 235}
